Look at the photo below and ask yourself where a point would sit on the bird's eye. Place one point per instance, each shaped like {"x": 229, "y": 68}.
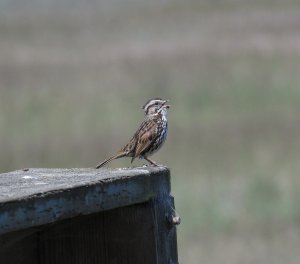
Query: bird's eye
{"x": 156, "y": 103}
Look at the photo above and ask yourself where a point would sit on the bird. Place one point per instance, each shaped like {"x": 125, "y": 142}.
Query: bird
{"x": 149, "y": 137}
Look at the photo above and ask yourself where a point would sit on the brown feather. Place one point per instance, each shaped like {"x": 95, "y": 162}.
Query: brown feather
{"x": 117, "y": 156}
{"x": 145, "y": 139}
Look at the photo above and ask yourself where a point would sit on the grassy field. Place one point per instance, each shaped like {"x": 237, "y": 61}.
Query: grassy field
{"x": 73, "y": 78}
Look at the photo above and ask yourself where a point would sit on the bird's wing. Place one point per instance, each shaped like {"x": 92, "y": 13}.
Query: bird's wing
{"x": 145, "y": 138}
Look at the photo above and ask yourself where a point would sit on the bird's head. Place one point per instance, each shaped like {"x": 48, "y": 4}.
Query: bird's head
{"x": 155, "y": 106}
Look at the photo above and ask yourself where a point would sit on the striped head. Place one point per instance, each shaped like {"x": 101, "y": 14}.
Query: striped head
{"x": 156, "y": 106}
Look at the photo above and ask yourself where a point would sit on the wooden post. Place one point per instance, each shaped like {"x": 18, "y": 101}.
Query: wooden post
{"x": 87, "y": 216}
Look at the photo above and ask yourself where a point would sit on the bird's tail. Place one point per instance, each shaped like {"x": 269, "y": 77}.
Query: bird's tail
{"x": 117, "y": 156}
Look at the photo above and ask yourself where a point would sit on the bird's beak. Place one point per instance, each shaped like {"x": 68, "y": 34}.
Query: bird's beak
{"x": 166, "y": 105}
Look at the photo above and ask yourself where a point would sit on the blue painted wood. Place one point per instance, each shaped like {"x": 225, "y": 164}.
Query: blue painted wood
{"x": 41, "y": 196}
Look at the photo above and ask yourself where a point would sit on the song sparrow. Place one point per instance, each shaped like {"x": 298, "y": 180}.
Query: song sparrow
{"x": 149, "y": 137}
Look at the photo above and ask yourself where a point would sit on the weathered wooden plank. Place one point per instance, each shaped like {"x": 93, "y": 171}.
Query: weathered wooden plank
{"x": 123, "y": 236}
{"x": 165, "y": 231}
{"x": 129, "y": 235}
{"x": 41, "y": 196}
{"x": 20, "y": 247}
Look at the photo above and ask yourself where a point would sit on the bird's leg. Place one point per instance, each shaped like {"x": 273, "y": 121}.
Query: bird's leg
{"x": 150, "y": 161}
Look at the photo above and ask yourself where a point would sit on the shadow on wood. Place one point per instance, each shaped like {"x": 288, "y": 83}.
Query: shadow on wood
{"x": 87, "y": 216}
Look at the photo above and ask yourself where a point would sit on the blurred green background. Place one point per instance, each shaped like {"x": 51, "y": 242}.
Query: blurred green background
{"x": 73, "y": 75}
